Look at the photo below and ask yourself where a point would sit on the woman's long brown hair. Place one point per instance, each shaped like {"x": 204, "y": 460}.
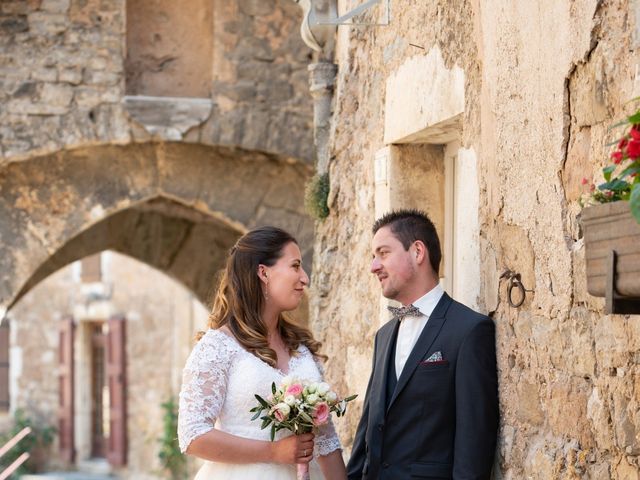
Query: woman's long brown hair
{"x": 239, "y": 299}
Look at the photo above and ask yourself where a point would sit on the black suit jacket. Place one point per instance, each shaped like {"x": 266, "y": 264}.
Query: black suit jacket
{"x": 441, "y": 421}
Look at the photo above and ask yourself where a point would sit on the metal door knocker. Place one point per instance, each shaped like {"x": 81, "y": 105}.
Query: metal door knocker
{"x": 514, "y": 282}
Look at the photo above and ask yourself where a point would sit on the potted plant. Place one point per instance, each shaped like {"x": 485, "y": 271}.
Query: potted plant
{"x": 611, "y": 221}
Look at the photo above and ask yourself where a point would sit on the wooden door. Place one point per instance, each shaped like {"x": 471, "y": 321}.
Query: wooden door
{"x": 66, "y": 379}
{"x": 116, "y": 378}
{"x": 98, "y": 387}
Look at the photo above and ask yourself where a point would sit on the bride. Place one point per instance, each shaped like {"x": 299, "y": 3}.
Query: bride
{"x": 249, "y": 345}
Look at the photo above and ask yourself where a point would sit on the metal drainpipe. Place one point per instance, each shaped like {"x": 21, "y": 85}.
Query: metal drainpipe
{"x": 322, "y": 76}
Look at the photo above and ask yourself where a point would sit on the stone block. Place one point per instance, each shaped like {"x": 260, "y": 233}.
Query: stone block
{"x": 256, "y": 7}
{"x": 45, "y": 75}
{"x": 529, "y": 405}
{"x": 12, "y": 24}
{"x": 45, "y": 24}
{"x": 276, "y": 92}
{"x": 55, "y": 6}
{"x": 56, "y": 94}
{"x": 71, "y": 75}
{"x": 253, "y": 48}
{"x": 101, "y": 78}
{"x": 49, "y": 99}
{"x": 90, "y": 97}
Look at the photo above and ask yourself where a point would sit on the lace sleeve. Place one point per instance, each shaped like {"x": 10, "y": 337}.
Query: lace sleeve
{"x": 204, "y": 381}
{"x": 326, "y": 440}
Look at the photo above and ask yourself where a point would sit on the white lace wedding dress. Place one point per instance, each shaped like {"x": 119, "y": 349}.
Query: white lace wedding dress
{"x": 219, "y": 382}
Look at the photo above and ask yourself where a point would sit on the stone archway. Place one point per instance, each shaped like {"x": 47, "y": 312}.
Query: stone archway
{"x": 177, "y": 207}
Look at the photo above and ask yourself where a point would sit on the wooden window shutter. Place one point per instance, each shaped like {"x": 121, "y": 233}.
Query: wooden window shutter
{"x": 4, "y": 365}
{"x": 116, "y": 378}
{"x": 65, "y": 392}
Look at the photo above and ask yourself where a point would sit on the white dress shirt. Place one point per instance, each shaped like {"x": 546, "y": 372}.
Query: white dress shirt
{"x": 411, "y": 327}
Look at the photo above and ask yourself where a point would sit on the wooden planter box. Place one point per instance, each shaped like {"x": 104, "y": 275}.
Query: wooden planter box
{"x": 611, "y": 227}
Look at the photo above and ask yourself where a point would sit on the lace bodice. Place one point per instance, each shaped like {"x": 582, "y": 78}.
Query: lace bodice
{"x": 218, "y": 386}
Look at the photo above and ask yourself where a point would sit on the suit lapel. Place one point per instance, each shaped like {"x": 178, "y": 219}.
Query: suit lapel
{"x": 423, "y": 344}
{"x": 383, "y": 356}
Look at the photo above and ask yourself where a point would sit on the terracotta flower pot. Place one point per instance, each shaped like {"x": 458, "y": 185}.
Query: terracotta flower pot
{"x": 608, "y": 227}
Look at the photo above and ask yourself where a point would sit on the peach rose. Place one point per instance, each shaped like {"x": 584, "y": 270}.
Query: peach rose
{"x": 281, "y": 411}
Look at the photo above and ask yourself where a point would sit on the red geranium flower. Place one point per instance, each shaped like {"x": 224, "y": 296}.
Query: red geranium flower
{"x": 623, "y": 143}
{"x": 633, "y": 149}
{"x": 617, "y": 157}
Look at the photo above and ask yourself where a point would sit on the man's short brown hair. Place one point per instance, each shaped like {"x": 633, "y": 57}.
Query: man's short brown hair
{"x": 409, "y": 225}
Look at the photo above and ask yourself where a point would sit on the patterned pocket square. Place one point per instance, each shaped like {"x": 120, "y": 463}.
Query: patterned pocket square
{"x": 435, "y": 357}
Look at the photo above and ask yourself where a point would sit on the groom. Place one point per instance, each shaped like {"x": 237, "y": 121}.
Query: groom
{"x": 431, "y": 408}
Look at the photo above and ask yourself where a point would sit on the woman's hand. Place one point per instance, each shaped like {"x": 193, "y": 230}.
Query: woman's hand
{"x": 294, "y": 449}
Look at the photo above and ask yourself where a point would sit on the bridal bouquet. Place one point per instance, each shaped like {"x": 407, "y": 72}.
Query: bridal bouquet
{"x": 299, "y": 406}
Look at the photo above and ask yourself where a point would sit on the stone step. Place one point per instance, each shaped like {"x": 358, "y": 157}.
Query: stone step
{"x": 94, "y": 466}
{"x": 66, "y": 476}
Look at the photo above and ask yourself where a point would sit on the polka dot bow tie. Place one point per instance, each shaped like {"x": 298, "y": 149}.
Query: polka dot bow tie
{"x": 401, "y": 312}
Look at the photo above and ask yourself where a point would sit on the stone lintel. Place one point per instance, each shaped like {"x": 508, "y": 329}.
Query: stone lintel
{"x": 439, "y": 134}
{"x": 168, "y": 117}
{"x": 424, "y": 101}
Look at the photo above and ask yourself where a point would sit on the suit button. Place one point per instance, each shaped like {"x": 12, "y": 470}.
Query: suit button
{"x": 385, "y": 465}
{"x": 380, "y": 427}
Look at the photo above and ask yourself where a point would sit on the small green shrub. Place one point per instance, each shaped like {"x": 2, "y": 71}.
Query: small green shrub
{"x": 316, "y": 194}
{"x": 173, "y": 462}
{"x": 36, "y": 444}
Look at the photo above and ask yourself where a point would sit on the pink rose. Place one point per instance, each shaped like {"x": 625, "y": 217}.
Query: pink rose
{"x": 321, "y": 414}
{"x": 281, "y": 411}
{"x": 295, "y": 390}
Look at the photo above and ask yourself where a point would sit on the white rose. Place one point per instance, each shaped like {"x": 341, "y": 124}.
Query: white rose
{"x": 312, "y": 399}
{"x": 323, "y": 388}
{"x": 284, "y": 409}
{"x": 331, "y": 397}
{"x": 290, "y": 400}
{"x": 286, "y": 381}
{"x": 312, "y": 387}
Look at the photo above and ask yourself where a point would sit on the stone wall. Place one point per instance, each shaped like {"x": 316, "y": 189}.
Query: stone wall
{"x": 542, "y": 81}
{"x": 63, "y": 65}
{"x": 161, "y": 323}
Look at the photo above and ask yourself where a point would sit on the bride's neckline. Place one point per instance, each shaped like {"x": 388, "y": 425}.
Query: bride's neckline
{"x": 239, "y": 345}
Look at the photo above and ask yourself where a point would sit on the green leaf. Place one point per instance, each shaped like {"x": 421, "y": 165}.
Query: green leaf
{"x": 634, "y": 202}
{"x": 616, "y": 185}
{"x": 265, "y": 422}
{"x": 273, "y": 432}
{"x": 607, "y": 171}
{"x": 635, "y": 118}
{"x": 352, "y": 397}
{"x": 257, "y": 414}
{"x": 262, "y": 401}
{"x": 273, "y": 387}
{"x": 633, "y": 168}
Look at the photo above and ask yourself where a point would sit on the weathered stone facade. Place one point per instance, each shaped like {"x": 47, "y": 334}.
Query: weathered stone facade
{"x": 542, "y": 82}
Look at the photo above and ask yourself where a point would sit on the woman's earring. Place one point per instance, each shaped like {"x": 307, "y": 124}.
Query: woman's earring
{"x": 266, "y": 290}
